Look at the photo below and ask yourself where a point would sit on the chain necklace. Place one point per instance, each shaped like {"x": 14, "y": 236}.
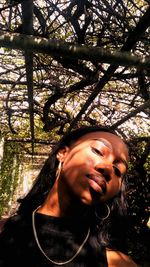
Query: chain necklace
{"x": 40, "y": 248}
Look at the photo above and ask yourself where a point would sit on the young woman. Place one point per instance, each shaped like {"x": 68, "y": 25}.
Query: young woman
{"x": 70, "y": 216}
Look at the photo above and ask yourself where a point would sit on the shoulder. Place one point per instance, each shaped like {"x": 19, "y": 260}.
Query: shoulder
{"x": 119, "y": 259}
{"x": 13, "y": 223}
{"x": 2, "y": 223}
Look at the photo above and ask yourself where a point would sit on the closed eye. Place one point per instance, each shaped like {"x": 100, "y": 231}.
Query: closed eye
{"x": 97, "y": 151}
{"x": 117, "y": 171}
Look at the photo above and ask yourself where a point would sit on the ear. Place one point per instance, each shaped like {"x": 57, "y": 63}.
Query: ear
{"x": 62, "y": 153}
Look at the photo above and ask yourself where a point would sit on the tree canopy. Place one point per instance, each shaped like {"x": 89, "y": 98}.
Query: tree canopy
{"x": 65, "y": 63}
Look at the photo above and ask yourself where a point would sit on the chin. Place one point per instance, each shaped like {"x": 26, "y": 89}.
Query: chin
{"x": 86, "y": 201}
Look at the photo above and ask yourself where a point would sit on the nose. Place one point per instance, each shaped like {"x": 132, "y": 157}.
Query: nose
{"x": 105, "y": 169}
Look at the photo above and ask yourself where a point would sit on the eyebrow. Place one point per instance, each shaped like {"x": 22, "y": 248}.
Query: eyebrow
{"x": 104, "y": 142}
{"x": 110, "y": 147}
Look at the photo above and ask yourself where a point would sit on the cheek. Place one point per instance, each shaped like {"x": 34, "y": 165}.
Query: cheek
{"x": 75, "y": 167}
{"x": 114, "y": 187}
{"x": 90, "y": 161}
{"x": 80, "y": 160}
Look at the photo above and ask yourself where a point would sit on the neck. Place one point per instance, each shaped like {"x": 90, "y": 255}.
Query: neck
{"x": 59, "y": 203}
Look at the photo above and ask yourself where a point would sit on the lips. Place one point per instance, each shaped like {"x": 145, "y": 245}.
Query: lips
{"x": 97, "y": 183}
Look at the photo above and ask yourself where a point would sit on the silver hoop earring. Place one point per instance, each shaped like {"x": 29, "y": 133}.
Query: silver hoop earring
{"x": 58, "y": 170}
{"x": 107, "y": 215}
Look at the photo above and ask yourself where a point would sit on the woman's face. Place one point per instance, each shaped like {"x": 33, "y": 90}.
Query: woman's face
{"x": 93, "y": 167}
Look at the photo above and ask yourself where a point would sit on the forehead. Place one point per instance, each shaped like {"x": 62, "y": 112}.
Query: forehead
{"x": 112, "y": 141}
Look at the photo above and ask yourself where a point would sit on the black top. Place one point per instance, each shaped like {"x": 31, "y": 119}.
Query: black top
{"x": 60, "y": 238}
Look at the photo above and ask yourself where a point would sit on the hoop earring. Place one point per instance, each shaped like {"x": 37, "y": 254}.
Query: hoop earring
{"x": 58, "y": 170}
{"x": 103, "y": 218}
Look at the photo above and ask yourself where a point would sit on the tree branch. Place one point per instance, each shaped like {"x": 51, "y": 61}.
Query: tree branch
{"x": 55, "y": 47}
{"x": 27, "y": 19}
{"x": 131, "y": 114}
{"x": 130, "y": 42}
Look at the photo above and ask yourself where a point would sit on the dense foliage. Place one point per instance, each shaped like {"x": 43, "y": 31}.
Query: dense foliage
{"x": 138, "y": 201}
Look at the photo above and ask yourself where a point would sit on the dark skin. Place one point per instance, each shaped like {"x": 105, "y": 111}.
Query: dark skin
{"x": 92, "y": 171}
